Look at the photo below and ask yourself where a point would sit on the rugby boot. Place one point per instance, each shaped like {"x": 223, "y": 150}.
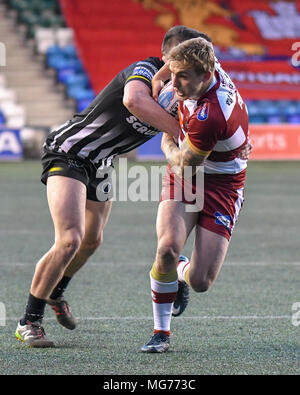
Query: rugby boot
{"x": 33, "y": 335}
{"x": 183, "y": 293}
{"x": 62, "y": 312}
{"x": 160, "y": 342}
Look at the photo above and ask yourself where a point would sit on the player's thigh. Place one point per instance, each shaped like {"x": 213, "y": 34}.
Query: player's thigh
{"x": 67, "y": 201}
{"x": 208, "y": 255}
{"x": 174, "y": 224}
{"x": 96, "y": 217}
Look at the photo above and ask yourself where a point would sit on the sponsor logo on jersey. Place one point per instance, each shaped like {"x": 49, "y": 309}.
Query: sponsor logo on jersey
{"x": 203, "y": 111}
{"x": 148, "y": 64}
{"x": 142, "y": 71}
{"x": 141, "y": 127}
{"x": 224, "y": 220}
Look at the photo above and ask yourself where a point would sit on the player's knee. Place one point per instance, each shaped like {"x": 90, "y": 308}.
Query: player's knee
{"x": 168, "y": 253}
{"x": 70, "y": 242}
{"x": 91, "y": 245}
{"x": 200, "y": 285}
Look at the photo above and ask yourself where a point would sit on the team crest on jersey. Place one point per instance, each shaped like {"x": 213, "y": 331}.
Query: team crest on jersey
{"x": 203, "y": 111}
{"x": 224, "y": 220}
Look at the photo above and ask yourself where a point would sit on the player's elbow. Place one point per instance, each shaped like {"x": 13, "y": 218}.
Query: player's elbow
{"x": 128, "y": 102}
{"x": 132, "y": 102}
{"x": 135, "y": 94}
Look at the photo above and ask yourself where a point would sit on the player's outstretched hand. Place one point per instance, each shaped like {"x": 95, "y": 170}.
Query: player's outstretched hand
{"x": 157, "y": 85}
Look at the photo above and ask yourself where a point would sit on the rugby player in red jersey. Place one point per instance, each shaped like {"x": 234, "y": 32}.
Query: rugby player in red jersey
{"x": 214, "y": 130}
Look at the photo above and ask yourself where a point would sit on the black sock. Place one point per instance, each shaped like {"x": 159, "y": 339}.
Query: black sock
{"x": 34, "y": 310}
{"x": 60, "y": 288}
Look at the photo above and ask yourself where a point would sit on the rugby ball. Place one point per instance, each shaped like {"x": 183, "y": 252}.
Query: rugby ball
{"x": 167, "y": 99}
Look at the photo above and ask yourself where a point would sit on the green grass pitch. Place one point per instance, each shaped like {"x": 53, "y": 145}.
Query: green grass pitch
{"x": 243, "y": 325}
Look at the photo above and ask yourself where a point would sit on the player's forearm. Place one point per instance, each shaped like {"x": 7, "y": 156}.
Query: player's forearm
{"x": 180, "y": 159}
{"x": 148, "y": 111}
{"x": 163, "y": 74}
{"x": 173, "y": 154}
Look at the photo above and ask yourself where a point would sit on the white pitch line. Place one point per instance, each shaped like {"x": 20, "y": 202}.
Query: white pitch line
{"x": 262, "y": 263}
{"x": 24, "y": 232}
{"x": 100, "y": 263}
{"x": 204, "y": 317}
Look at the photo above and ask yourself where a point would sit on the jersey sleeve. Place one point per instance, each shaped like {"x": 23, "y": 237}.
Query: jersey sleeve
{"x": 145, "y": 70}
{"x": 205, "y": 128}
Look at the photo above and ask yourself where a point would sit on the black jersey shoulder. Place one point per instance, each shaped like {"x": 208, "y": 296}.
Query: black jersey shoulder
{"x": 108, "y": 105}
{"x": 144, "y": 70}
{"x": 111, "y": 96}
{"x": 106, "y": 127}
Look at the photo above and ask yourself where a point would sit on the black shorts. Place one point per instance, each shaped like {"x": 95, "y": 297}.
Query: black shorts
{"x": 98, "y": 183}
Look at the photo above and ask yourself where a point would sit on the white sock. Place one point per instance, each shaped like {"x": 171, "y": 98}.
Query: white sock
{"x": 182, "y": 271}
{"x": 163, "y": 296}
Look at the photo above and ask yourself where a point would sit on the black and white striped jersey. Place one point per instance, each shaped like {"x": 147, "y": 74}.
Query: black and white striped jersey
{"x": 106, "y": 128}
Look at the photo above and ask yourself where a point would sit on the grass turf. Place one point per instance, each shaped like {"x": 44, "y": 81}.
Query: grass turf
{"x": 242, "y": 325}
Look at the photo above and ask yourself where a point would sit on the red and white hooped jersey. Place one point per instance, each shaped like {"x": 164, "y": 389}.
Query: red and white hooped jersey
{"x": 217, "y": 123}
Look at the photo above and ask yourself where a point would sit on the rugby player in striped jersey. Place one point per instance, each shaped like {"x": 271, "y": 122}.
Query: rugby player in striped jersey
{"x": 122, "y": 117}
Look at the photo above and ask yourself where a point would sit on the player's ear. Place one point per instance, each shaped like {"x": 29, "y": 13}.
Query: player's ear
{"x": 164, "y": 58}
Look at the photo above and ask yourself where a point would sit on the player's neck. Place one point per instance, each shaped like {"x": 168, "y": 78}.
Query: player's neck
{"x": 205, "y": 88}
{"x": 210, "y": 83}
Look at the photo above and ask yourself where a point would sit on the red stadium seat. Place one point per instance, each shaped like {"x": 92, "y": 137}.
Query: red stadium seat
{"x": 114, "y": 37}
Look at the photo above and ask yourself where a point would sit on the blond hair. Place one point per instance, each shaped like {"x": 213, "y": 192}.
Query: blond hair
{"x": 196, "y": 53}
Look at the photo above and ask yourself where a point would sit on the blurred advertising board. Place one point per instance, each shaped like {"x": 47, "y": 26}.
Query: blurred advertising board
{"x": 10, "y": 144}
{"x": 270, "y": 142}
{"x": 273, "y": 142}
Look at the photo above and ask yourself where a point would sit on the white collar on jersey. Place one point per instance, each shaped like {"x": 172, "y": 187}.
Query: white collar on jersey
{"x": 213, "y": 82}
